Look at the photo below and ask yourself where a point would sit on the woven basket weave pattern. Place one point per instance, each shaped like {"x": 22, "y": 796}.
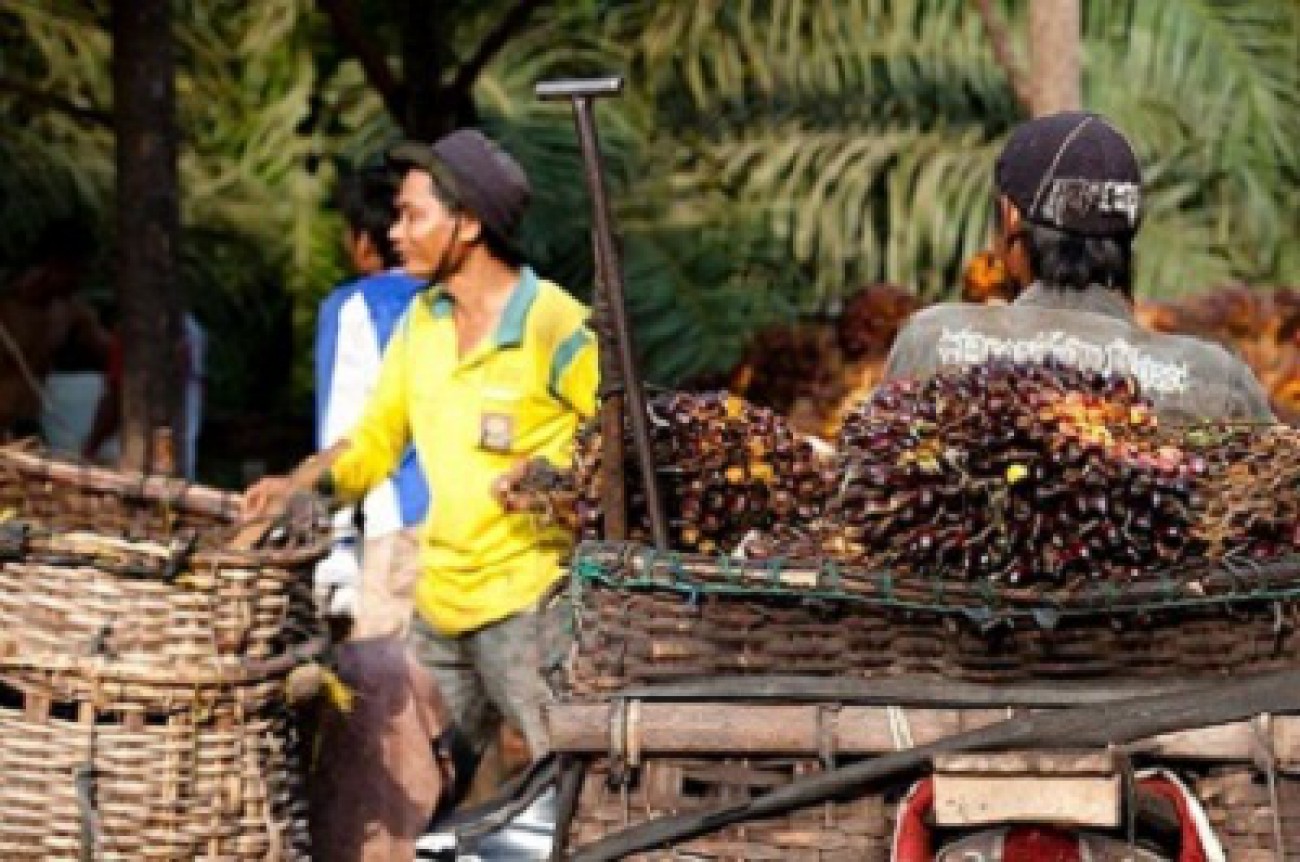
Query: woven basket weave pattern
{"x": 634, "y": 624}
{"x": 641, "y": 618}
{"x": 142, "y": 669}
{"x": 629, "y": 638}
{"x": 223, "y": 789}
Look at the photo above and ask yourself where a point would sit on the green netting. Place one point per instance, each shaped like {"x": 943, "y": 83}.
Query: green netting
{"x": 631, "y": 567}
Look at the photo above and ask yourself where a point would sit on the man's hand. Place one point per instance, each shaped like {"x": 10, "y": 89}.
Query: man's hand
{"x": 537, "y": 487}
{"x": 266, "y": 497}
{"x": 503, "y": 489}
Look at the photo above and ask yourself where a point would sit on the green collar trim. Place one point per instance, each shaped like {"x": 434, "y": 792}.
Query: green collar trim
{"x": 440, "y": 303}
{"x": 510, "y": 329}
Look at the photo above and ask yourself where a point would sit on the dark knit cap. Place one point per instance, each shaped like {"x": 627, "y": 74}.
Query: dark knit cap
{"x": 486, "y": 180}
{"x": 1073, "y": 171}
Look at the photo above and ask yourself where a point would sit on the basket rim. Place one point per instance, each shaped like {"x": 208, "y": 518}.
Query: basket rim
{"x": 633, "y": 566}
{"x": 169, "y": 491}
{"x": 172, "y": 491}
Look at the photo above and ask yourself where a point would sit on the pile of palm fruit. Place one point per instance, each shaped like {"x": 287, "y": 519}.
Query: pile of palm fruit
{"x": 725, "y": 468}
{"x": 1011, "y": 473}
{"x": 1018, "y": 474}
{"x": 1248, "y": 499}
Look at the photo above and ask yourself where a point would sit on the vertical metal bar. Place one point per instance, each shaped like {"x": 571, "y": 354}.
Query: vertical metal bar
{"x": 613, "y": 484}
{"x": 573, "y": 770}
{"x": 609, "y": 266}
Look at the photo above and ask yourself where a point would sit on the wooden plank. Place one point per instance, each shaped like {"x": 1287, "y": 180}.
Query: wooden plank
{"x": 758, "y": 729}
{"x": 1067, "y": 800}
{"x": 904, "y": 691}
{"x": 1089, "y": 763}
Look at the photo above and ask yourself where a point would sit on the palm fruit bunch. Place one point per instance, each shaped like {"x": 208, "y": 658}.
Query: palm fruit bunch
{"x": 1248, "y": 499}
{"x": 786, "y": 365}
{"x": 985, "y": 280}
{"x": 544, "y": 490}
{"x": 725, "y": 468}
{"x": 871, "y": 319}
{"x": 1015, "y": 473}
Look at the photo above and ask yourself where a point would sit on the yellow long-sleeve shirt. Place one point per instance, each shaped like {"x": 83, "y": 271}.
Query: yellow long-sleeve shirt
{"x": 519, "y": 394}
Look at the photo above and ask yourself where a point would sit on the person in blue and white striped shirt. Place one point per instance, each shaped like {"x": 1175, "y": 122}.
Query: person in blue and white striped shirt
{"x": 374, "y": 564}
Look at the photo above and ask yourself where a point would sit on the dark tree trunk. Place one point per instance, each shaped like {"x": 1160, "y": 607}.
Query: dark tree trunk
{"x": 433, "y": 95}
{"x": 148, "y": 224}
{"x": 432, "y": 107}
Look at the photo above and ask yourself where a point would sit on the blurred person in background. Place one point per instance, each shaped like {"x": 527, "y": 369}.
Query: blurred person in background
{"x": 102, "y": 443}
{"x": 371, "y": 570}
{"x": 45, "y": 324}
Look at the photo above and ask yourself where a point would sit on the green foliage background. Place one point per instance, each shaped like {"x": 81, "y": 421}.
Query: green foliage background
{"x": 768, "y": 157}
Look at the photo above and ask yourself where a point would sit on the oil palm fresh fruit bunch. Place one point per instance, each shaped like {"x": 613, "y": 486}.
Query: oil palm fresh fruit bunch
{"x": 985, "y": 279}
{"x": 786, "y": 364}
{"x": 726, "y": 468}
{"x": 1248, "y": 496}
{"x": 871, "y": 319}
{"x": 539, "y": 488}
{"x": 1015, "y": 473}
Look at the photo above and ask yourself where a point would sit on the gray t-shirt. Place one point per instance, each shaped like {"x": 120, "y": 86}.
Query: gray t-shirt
{"x": 1187, "y": 379}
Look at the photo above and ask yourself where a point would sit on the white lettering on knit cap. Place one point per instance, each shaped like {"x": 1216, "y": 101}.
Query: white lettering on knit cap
{"x": 968, "y": 347}
{"x": 1069, "y": 199}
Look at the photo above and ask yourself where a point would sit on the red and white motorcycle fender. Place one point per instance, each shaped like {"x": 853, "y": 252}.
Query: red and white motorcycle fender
{"x": 914, "y": 843}
{"x": 1043, "y": 844}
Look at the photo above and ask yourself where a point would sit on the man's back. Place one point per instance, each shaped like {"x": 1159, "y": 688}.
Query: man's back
{"x": 1188, "y": 380}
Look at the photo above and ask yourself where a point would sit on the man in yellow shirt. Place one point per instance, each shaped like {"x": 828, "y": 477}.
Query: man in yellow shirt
{"x": 490, "y": 367}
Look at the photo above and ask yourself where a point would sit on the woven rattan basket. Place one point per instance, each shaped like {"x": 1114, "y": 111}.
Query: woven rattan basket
{"x": 640, "y": 616}
{"x": 143, "y": 666}
{"x": 119, "y": 590}
{"x": 80, "y": 784}
{"x": 1240, "y": 802}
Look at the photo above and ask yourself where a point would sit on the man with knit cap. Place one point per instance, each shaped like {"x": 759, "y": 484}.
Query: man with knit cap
{"x": 490, "y": 367}
{"x": 1069, "y": 204}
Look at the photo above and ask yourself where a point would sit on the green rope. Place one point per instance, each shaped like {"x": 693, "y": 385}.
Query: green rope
{"x": 774, "y": 568}
{"x": 678, "y": 567}
{"x": 1104, "y": 597}
{"x": 887, "y": 587}
{"x": 1168, "y": 587}
{"x": 830, "y": 569}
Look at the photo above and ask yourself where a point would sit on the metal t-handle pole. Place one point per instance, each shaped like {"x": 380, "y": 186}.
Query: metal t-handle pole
{"x": 609, "y": 271}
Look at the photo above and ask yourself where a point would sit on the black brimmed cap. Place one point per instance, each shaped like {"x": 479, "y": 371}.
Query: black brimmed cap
{"x": 486, "y": 180}
{"x": 1073, "y": 171}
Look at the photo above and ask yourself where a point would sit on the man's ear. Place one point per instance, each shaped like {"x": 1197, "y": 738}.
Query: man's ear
{"x": 470, "y": 230}
{"x": 1008, "y": 216}
{"x": 365, "y": 257}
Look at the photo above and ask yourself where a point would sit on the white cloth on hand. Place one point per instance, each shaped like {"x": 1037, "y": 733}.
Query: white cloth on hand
{"x": 338, "y": 578}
